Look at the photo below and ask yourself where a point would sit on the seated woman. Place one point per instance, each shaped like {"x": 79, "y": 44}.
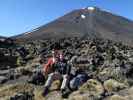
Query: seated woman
{"x": 79, "y": 78}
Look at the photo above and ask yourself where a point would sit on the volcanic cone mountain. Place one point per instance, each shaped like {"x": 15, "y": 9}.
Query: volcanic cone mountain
{"x": 91, "y": 21}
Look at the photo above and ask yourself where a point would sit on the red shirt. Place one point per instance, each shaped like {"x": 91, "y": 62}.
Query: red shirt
{"x": 48, "y": 66}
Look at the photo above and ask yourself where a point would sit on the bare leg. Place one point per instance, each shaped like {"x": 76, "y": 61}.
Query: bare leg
{"x": 51, "y": 78}
{"x": 64, "y": 82}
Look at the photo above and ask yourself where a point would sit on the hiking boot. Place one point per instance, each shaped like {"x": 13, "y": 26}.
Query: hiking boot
{"x": 45, "y": 91}
{"x": 62, "y": 90}
{"x": 65, "y": 93}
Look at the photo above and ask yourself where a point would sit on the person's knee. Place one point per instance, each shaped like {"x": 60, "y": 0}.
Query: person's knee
{"x": 51, "y": 75}
{"x": 65, "y": 76}
{"x": 73, "y": 86}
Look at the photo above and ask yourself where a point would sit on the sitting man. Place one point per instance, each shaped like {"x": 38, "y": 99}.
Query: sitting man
{"x": 43, "y": 70}
{"x": 78, "y": 79}
{"x": 60, "y": 70}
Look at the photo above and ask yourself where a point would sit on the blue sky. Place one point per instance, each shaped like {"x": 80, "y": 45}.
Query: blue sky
{"x": 18, "y": 16}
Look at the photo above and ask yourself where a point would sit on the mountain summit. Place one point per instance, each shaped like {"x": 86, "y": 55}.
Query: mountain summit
{"x": 90, "y": 21}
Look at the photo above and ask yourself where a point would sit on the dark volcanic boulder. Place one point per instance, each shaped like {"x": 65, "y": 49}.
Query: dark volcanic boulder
{"x": 23, "y": 96}
{"x": 3, "y": 79}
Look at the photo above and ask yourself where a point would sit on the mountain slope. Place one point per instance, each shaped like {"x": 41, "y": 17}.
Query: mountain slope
{"x": 1, "y": 37}
{"x": 90, "y": 21}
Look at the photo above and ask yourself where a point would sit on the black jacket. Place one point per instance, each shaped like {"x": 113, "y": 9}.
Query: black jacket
{"x": 62, "y": 67}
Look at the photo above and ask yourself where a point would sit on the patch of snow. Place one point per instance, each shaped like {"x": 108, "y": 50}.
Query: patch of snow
{"x": 91, "y": 8}
{"x": 31, "y": 31}
{"x": 83, "y": 16}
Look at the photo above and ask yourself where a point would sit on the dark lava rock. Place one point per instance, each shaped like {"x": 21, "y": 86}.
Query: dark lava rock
{"x": 23, "y": 96}
{"x": 3, "y": 79}
{"x": 4, "y": 72}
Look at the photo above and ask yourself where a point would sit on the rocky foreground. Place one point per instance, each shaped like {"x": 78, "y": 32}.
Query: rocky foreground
{"x": 110, "y": 74}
